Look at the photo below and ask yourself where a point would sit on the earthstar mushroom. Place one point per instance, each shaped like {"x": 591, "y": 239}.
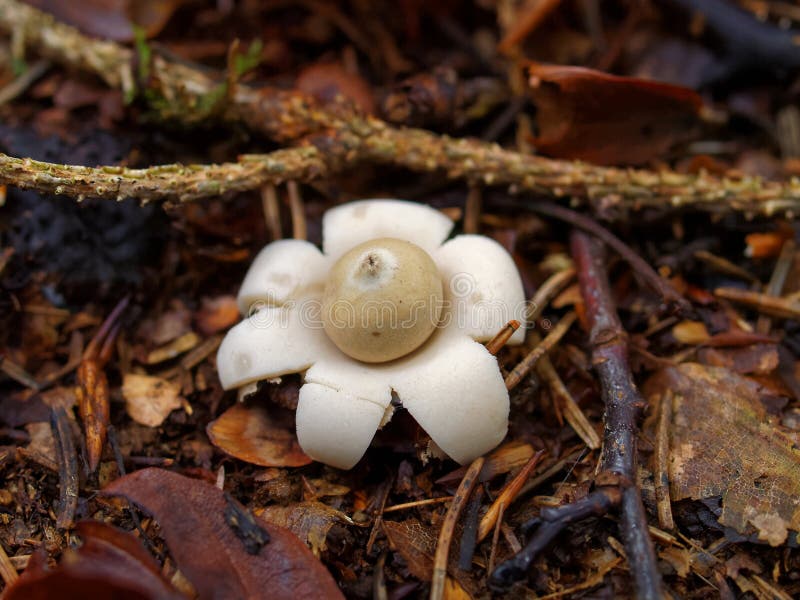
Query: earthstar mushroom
{"x": 387, "y": 310}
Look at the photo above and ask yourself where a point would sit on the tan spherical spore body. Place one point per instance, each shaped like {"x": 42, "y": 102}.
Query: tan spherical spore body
{"x": 383, "y": 299}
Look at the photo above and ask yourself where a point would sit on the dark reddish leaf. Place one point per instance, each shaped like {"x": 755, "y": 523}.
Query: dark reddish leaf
{"x": 606, "y": 119}
{"x": 208, "y": 547}
{"x": 111, "y": 563}
{"x": 248, "y": 432}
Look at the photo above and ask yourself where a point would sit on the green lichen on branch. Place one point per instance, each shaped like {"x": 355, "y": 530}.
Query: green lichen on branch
{"x": 180, "y": 92}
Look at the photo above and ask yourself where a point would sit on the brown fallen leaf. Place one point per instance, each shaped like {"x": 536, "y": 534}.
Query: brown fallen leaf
{"x": 310, "y": 521}
{"x": 110, "y": 563}
{"x": 91, "y": 390}
{"x": 112, "y": 19}
{"x": 760, "y": 359}
{"x": 690, "y": 332}
{"x": 248, "y": 432}
{"x": 212, "y": 541}
{"x": 608, "y": 120}
{"x": 148, "y": 400}
{"x": 416, "y": 543}
{"x": 722, "y": 445}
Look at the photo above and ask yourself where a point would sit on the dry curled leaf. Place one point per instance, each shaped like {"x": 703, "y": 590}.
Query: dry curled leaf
{"x": 723, "y": 445}
{"x": 149, "y": 400}
{"x": 93, "y": 406}
{"x": 248, "y": 432}
{"x": 110, "y": 563}
{"x": 213, "y": 550}
{"x": 310, "y": 521}
{"x": 605, "y": 119}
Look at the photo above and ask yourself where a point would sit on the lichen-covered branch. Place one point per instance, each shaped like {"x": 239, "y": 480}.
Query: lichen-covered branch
{"x": 175, "y": 182}
{"x": 179, "y": 91}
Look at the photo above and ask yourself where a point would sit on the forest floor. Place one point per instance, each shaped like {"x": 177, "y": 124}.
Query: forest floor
{"x": 638, "y": 160}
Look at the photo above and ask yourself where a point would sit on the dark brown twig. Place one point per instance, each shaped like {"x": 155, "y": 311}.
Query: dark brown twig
{"x": 469, "y": 537}
{"x": 657, "y": 283}
{"x": 616, "y": 479}
{"x": 623, "y": 405}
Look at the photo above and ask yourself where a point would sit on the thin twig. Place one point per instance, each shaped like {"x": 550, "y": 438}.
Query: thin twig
{"x": 658, "y": 284}
{"x": 272, "y": 211}
{"x": 547, "y": 291}
{"x": 519, "y": 372}
{"x": 777, "y": 280}
{"x": 297, "y": 210}
{"x": 379, "y": 582}
{"x": 507, "y": 496}
{"x": 723, "y": 265}
{"x": 572, "y": 412}
{"x": 449, "y": 525}
{"x": 782, "y": 308}
{"x": 7, "y": 570}
{"x": 547, "y": 526}
{"x": 501, "y": 338}
{"x": 472, "y": 209}
{"x": 24, "y": 81}
{"x": 501, "y": 510}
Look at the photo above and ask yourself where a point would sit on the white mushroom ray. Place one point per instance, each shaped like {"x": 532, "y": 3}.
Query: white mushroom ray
{"x": 454, "y": 390}
{"x": 284, "y": 270}
{"x": 335, "y": 427}
{"x": 351, "y": 224}
{"x": 341, "y": 406}
{"x": 482, "y": 287}
{"x": 272, "y": 342}
{"x": 452, "y": 387}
